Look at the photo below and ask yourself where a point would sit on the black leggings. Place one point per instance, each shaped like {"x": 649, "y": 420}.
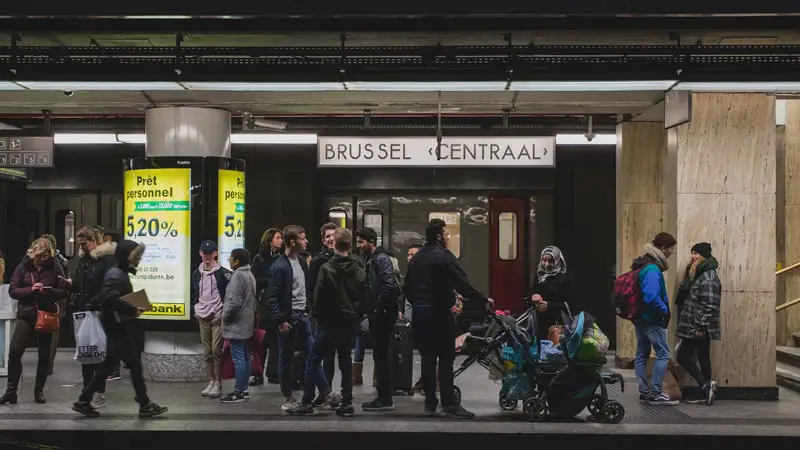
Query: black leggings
{"x": 692, "y": 352}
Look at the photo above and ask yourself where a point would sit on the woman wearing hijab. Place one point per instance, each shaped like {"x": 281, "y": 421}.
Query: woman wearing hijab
{"x": 698, "y": 303}
{"x": 551, "y": 290}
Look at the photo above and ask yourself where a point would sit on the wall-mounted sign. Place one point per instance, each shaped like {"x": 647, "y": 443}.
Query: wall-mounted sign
{"x": 18, "y": 151}
{"x": 677, "y": 108}
{"x": 158, "y": 214}
{"x": 422, "y": 152}
{"x": 230, "y": 198}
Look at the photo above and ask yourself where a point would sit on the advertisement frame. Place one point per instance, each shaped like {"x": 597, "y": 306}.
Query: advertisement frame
{"x": 197, "y": 212}
{"x": 212, "y": 167}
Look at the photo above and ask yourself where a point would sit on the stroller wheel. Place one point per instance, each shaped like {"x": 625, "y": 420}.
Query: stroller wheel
{"x": 613, "y": 412}
{"x": 457, "y": 394}
{"x": 535, "y": 408}
{"x": 507, "y": 404}
{"x": 596, "y": 406}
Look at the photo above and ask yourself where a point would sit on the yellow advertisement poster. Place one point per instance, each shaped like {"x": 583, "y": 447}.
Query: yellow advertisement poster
{"x": 158, "y": 214}
{"x": 231, "y": 213}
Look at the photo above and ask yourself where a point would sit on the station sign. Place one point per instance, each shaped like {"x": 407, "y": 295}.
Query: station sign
{"x": 488, "y": 152}
{"x": 230, "y": 198}
{"x": 158, "y": 214}
{"x": 19, "y": 151}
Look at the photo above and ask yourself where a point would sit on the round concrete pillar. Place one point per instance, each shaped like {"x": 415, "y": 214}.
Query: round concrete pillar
{"x": 187, "y": 132}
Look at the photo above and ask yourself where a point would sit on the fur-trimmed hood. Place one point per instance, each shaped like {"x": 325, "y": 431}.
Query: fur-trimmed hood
{"x": 102, "y": 250}
{"x": 126, "y": 252}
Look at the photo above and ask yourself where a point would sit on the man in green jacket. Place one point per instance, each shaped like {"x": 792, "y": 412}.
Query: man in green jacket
{"x": 339, "y": 299}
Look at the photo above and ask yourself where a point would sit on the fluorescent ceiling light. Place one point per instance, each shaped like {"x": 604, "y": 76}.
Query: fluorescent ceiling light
{"x": 778, "y": 86}
{"x": 427, "y": 86}
{"x": 264, "y": 138}
{"x": 10, "y": 86}
{"x": 101, "y": 86}
{"x": 573, "y": 86}
{"x": 266, "y": 87}
{"x": 140, "y": 138}
{"x": 580, "y": 139}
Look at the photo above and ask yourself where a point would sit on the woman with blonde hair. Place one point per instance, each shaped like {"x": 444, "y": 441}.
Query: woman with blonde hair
{"x": 37, "y": 284}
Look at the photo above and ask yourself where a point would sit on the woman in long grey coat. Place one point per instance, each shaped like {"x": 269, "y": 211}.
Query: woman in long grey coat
{"x": 238, "y": 320}
{"x": 698, "y": 304}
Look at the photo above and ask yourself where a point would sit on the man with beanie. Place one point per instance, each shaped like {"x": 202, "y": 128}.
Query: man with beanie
{"x": 209, "y": 282}
{"x": 651, "y": 326}
{"x": 698, "y": 305}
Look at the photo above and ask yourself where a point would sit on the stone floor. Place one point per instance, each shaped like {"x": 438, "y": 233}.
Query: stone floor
{"x": 189, "y": 411}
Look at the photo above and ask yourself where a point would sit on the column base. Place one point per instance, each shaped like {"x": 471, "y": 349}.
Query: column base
{"x": 736, "y": 393}
{"x": 173, "y": 357}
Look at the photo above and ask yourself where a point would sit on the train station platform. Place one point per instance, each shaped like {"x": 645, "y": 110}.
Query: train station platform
{"x": 195, "y": 422}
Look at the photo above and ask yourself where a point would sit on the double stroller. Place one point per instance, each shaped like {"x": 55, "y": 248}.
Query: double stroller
{"x": 550, "y": 380}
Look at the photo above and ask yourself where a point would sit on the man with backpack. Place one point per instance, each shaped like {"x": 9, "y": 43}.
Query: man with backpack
{"x": 383, "y": 293}
{"x": 641, "y": 296}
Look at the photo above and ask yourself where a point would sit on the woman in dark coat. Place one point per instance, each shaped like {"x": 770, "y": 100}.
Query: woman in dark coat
{"x": 268, "y": 252}
{"x": 38, "y": 285}
{"x": 551, "y": 290}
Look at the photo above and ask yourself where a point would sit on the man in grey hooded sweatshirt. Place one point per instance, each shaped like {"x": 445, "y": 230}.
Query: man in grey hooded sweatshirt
{"x": 238, "y": 321}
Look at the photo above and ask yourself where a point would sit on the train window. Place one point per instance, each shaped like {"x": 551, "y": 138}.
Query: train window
{"x": 374, "y": 219}
{"x": 507, "y": 236}
{"x": 116, "y": 218}
{"x": 453, "y": 222}
{"x": 338, "y": 216}
{"x": 65, "y": 232}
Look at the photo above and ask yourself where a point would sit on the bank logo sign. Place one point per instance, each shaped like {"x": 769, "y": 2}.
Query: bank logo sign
{"x": 535, "y": 151}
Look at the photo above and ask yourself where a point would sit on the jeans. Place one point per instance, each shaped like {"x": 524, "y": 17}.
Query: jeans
{"x": 434, "y": 333}
{"x": 382, "y": 330}
{"x": 650, "y": 336}
{"x": 329, "y": 364}
{"x": 88, "y": 371}
{"x": 336, "y": 337}
{"x": 692, "y": 352}
{"x": 361, "y": 348}
{"x": 240, "y": 354}
{"x": 123, "y": 344}
{"x": 211, "y": 336}
{"x": 299, "y": 335}
{"x": 24, "y": 333}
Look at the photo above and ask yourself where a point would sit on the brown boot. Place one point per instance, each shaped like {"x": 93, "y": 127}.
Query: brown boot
{"x": 358, "y": 374}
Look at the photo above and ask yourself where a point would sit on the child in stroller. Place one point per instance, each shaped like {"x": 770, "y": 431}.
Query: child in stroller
{"x": 551, "y": 380}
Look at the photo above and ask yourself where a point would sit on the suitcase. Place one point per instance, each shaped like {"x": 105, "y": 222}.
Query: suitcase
{"x": 402, "y": 351}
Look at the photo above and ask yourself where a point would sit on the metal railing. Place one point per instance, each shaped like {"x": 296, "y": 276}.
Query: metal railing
{"x": 792, "y": 302}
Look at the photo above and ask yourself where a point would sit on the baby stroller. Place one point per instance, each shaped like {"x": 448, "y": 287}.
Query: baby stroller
{"x": 561, "y": 387}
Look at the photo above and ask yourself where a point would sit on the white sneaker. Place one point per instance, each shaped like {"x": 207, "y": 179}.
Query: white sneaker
{"x": 216, "y": 390}
{"x": 207, "y": 389}
{"x": 288, "y": 404}
{"x": 98, "y": 401}
{"x": 333, "y": 400}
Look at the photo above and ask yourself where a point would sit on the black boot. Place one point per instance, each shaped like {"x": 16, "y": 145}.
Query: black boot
{"x": 38, "y": 396}
{"x": 10, "y": 396}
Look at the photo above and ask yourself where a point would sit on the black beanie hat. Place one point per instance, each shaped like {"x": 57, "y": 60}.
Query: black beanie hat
{"x": 703, "y": 248}
{"x": 664, "y": 240}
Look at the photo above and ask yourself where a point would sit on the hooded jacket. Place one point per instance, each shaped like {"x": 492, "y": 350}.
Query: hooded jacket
{"x": 117, "y": 284}
{"x": 91, "y": 270}
{"x": 239, "y": 307}
{"x": 654, "y": 291}
{"x": 21, "y": 289}
{"x": 340, "y": 292}
{"x": 382, "y": 290}
{"x": 222, "y": 277}
{"x": 313, "y": 269}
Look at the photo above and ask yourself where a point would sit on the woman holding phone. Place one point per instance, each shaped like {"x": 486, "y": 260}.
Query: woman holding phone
{"x": 37, "y": 285}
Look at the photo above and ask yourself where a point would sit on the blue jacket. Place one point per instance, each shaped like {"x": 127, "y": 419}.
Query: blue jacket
{"x": 279, "y": 289}
{"x": 654, "y": 291}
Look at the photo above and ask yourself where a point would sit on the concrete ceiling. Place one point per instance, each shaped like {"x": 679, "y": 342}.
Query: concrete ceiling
{"x": 329, "y": 102}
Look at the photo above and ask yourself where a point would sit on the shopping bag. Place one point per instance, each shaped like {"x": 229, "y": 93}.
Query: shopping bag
{"x": 90, "y": 338}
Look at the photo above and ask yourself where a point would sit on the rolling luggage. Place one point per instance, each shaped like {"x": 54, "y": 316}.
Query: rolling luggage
{"x": 402, "y": 351}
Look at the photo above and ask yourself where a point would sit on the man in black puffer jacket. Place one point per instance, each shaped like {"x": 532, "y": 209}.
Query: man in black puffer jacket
{"x": 122, "y": 331}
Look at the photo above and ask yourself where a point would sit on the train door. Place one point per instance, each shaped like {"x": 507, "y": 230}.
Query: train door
{"x": 507, "y": 280}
